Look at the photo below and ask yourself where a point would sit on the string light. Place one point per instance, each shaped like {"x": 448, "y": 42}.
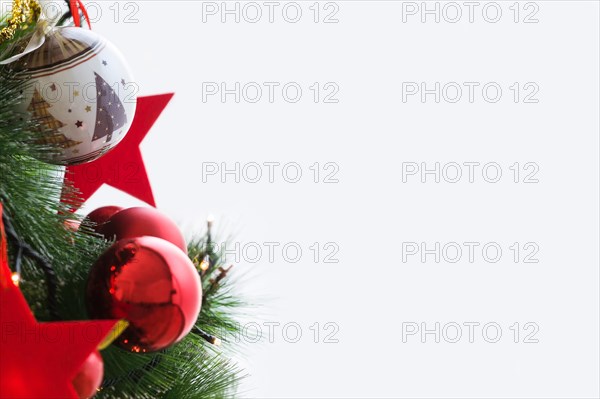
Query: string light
{"x": 208, "y": 338}
{"x": 205, "y": 263}
{"x": 26, "y": 250}
{"x": 16, "y": 278}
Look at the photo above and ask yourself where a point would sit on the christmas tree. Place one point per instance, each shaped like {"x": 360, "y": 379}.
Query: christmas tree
{"x": 46, "y": 261}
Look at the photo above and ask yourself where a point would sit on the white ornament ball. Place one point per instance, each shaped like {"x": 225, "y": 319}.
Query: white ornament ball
{"x": 81, "y": 92}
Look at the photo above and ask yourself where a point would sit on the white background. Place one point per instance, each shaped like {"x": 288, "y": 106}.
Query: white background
{"x": 369, "y": 133}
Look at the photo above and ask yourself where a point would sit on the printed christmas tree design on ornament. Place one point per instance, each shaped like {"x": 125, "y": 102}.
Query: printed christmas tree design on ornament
{"x": 110, "y": 114}
{"x": 49, "y": 125}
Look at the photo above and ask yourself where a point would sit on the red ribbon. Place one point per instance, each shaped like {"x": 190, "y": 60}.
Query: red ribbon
{"x": 76, "y": 6}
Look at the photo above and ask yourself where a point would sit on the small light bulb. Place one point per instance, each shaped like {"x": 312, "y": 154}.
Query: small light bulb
{"x": 16, "y": 278}
{"x": 216, "y": 341}
{"x": 205, "y": 263}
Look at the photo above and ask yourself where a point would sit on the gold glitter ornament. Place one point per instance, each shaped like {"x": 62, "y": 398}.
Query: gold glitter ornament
{"x": 23, "y": 13}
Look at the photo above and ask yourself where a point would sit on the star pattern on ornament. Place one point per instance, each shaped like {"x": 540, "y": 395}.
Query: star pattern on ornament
{"x": 39, "y": 360}
{"x": 75, "y": 93}
{"x": 88, "y": 108}
{"x": 104, "y": 63}
{"x": 53, "y": 87}
{"x": 124, "y": 156}
{"x": 79, "y": 123}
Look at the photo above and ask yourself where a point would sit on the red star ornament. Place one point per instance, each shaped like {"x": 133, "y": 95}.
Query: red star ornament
{"x": 40, "y": 360}
{"x": 123, "y": 167}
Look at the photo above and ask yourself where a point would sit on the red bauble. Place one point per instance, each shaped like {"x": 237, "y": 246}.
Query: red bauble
{"x": 141, "y": 221}
{"x": 89, "y": 378}
{"x": 96, "y": 219}
{"x": 150, "y": 283}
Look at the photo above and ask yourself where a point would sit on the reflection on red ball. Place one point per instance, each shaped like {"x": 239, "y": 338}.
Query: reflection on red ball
{"x": 88, "y": 379}
{"x": 143, "y": 221}
{"x": 100, "y": 216}
{"x": 150, "y": 283}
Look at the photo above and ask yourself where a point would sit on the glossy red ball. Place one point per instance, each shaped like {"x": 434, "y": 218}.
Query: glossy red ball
{"x": 97, "y": 218}
{"x": 143, "y": 221}
{"x": 89, "y": 378}
{"x": 150, "y": 283}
